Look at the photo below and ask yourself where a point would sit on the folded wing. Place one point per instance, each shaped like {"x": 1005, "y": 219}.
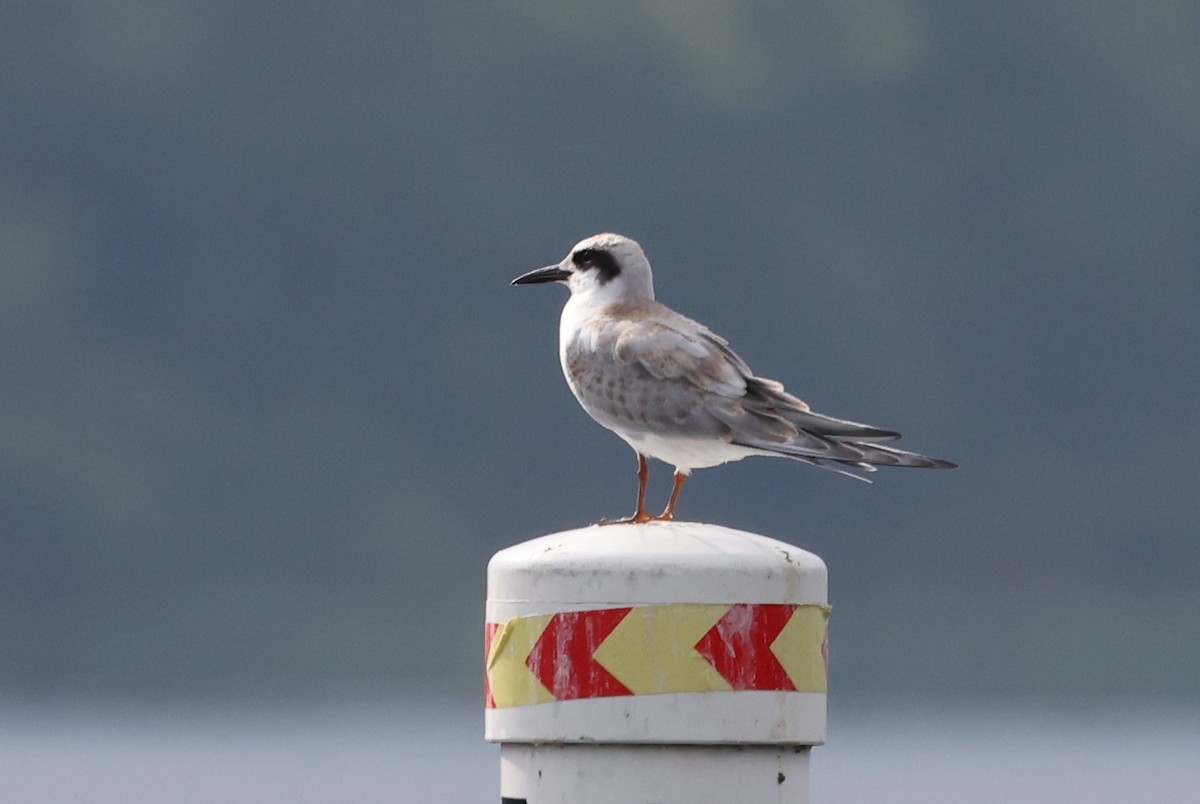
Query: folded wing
{"x": 703, "y": 388}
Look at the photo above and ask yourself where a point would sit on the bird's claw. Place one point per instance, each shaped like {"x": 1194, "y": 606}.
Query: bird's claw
{"x": 639, "y": 518}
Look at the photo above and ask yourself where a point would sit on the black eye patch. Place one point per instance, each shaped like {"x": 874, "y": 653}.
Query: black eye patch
{"x": 585, "y": 259}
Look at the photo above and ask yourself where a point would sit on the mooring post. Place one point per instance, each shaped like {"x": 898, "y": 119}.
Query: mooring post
{"x": 659, "y": 663}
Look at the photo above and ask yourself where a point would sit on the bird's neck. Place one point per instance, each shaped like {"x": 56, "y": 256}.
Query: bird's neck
{"x": 582, "y": 306}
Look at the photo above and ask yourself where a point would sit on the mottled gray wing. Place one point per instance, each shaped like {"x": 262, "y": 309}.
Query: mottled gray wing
{"x": 722, "y": 394}
{"x": 664, "y": 394}
{"x": 653, "y": 369}
{"x": 674, "y": 354}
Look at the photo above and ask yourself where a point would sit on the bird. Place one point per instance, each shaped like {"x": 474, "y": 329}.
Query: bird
{"x": 675, "y": 391}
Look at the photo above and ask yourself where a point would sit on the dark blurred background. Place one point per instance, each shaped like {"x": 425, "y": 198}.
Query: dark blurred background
{"x": 269, "y": 404}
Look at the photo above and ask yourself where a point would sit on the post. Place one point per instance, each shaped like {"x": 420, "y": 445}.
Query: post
{"x": 665, "y": 662}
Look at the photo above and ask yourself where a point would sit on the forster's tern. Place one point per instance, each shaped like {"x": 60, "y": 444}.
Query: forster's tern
{"x": 675, "y": 391}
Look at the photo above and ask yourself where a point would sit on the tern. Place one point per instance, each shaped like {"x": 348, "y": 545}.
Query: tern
{"x": 675, "y": 391}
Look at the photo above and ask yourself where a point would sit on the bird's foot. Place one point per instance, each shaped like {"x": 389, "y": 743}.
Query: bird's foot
{"x": 640, "y": 518}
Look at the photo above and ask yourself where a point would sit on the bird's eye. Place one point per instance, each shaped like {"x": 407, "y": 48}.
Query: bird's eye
{"x": 598, "y": 259}
{"x": 586, "y": 258}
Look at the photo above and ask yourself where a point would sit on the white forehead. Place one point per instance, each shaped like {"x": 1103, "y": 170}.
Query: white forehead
{"x": 627, "y": 250}
{"x": 609, "y": 242}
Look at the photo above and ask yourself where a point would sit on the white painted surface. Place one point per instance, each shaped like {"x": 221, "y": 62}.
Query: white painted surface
{"x": 713, "y": 718}
{"x": 659, "y": 562}
{"x": 607, "y": 774}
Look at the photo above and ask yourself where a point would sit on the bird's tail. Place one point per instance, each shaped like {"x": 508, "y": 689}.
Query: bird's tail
{"x": 767, "y": 398}
{"x": 879, "y": 455}
{"x": 867, "y": 457}
{"x": 781, "y": 424}
{"x": 833, "y": 453}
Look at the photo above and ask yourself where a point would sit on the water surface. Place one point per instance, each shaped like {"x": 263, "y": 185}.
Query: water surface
{"x": 433, "y": 751}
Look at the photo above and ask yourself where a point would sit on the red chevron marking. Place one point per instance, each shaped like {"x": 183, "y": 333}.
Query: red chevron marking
{"x": 562, "y": 657}
{"x": 739, "y": 646}
{"x": 489, "y": 631}
{"x": 825, "y": 651}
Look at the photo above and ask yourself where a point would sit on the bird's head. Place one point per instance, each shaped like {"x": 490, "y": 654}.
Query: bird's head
{"x": 606, "y": 267}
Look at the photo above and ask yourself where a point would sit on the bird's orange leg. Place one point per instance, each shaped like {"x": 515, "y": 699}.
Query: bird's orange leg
{"x": 639, "y": 515}
{"x": 643, "y": 476}
{"x": 668, "y": 513}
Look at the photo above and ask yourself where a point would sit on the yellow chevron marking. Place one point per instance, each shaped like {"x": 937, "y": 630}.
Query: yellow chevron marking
{"x": 798, "y": 648}
{"x": 511, "y": 682}
{"x": 652, "y": 649}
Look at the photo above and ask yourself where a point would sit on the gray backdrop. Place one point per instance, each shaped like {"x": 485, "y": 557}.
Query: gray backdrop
{"x": 269, "y": 403}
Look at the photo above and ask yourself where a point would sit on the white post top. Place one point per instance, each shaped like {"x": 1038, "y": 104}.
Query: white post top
{"x": 667, "y": 633}
{"x": 658, "y": 562}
